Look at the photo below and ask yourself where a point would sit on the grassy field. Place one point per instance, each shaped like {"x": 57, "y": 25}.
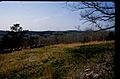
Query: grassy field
{"x": 62, "y": 61}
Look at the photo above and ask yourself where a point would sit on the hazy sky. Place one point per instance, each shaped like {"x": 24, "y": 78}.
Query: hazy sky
{"x": 38, "y": 16}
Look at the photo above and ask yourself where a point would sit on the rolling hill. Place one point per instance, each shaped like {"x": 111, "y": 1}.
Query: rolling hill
{"x": 60, "y": 61}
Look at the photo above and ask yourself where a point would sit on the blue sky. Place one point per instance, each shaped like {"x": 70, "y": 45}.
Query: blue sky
{"x": 38, "y": 16}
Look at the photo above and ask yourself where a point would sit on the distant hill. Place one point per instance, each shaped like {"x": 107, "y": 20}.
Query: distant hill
{"x": 45, "y": 32}
{"x": 2, "y": 32}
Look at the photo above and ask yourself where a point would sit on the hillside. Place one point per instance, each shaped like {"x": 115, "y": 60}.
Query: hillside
{"x": 2, "y": 32}
{"x": 62, "y": 61}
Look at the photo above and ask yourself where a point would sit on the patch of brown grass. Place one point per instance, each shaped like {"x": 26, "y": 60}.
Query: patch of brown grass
{"x": 80, "y": 44}
{"x": 41, "y": 57}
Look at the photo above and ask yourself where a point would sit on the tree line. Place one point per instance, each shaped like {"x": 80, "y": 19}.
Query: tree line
{"x": 17, "y": 39}
{"x": 97, "y": 14}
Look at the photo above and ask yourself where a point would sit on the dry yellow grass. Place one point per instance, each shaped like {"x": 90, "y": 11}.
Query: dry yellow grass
{"x": 80, "y": 44}
{"x": 18, "y": 60}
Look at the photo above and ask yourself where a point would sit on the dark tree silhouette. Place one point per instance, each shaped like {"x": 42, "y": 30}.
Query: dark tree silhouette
{"x": 14, "y": 39}
{"x": 16, "y": 28}
{"x": 98, "y": 14}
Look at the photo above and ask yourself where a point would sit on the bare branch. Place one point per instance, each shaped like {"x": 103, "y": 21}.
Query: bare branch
{"x": 98, "y": 13}
{"x": 105, "y": 29}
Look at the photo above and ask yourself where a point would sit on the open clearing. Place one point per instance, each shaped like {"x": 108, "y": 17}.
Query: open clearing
{"x": 62, "y": 61}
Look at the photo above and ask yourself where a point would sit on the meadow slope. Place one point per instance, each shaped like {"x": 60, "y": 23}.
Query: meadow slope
{"x": 62, "y": 61}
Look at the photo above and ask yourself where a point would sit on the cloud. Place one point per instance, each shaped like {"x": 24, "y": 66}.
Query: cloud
{"x": 44, "y": 18}
{"x": 41, "y": 19}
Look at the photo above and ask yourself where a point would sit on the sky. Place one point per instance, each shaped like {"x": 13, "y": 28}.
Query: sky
{"x": 38, "y": 16}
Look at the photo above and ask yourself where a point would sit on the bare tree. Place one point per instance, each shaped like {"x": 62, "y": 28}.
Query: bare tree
{"x": 98, "y": 14}
{"x": 89, "y": 29}
{"x": 78, "y": 27}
